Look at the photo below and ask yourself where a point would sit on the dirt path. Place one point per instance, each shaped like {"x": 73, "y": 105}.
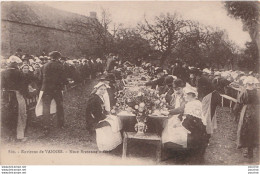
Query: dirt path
{"x": 221, "y": 150}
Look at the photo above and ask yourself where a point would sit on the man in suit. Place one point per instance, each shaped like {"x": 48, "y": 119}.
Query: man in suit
{"x": 53, "y": 81}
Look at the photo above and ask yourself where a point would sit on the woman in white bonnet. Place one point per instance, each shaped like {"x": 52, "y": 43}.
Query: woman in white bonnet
{"x": 248, "y": 127}
{"x": 107, "y": 127}
{"x": 194, "y": 121}
{"x": 95, "y": 110}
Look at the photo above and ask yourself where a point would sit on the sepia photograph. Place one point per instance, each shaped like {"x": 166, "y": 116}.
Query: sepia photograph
{"x": 130, "y": 83}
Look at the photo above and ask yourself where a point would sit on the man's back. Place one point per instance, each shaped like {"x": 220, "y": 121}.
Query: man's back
{"x": 11, "y": 79}
{"x": 53, "y": 77}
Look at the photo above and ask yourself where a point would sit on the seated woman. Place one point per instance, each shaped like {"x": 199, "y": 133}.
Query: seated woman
{"x": 107, "y": 127}
{"x": 189, "y": 130}
{"x": 248, "y": 126}
{"x": 176, "y": 108}
{"x": 194, "y": 121}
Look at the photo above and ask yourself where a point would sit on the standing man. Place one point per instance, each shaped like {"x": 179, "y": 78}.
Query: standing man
{"x": 53, "y": 81}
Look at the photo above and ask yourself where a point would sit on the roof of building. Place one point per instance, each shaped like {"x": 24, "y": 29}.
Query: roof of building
{"x": 34, "y": 13}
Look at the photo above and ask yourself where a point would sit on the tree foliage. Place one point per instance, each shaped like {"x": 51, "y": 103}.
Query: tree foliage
{"x": 188, "y": 41}
{"x": 164, "y": 33}
{"x": 129, "y": 44}
{"x": 248, "y": 12}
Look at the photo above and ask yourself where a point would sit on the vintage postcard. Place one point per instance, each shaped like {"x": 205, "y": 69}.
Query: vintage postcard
{"x": 129, "y": 83}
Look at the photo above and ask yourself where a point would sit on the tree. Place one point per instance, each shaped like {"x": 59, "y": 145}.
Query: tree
{"x": 248, "y": 12}
{"x": 164, "y": 33}
{"x": 189, "y": 48}
{"x": 130, "y": 45}
{"x": 247, "y": 60}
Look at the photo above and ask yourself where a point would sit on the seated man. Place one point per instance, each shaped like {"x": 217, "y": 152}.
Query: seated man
{"x": 159, "y": 82}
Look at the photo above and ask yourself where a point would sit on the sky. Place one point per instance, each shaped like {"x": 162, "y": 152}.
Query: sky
{"x": 129, "y": 13}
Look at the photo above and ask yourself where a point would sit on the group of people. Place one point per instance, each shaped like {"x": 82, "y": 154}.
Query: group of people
{"x": 26, "y": 76}
{"x": 192, "y": 100}
{"x": 75, "y": 69}
{"x": 192, "y": 96}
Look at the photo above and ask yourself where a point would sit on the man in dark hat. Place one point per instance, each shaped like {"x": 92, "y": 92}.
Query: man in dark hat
{"x": 159, "y": 82}
{"x": 53, "y": 81}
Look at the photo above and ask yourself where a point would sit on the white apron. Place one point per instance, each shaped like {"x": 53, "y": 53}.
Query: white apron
{"x": 174, "y": 131}
{"x": 109, "y": 137}
{"x": 39, "y": 106}
{"x": 22, "y": 116}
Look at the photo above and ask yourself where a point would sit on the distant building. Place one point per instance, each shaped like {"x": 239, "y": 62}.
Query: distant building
{"x": 37, "y": 28}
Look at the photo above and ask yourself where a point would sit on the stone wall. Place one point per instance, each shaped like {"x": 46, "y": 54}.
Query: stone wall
{"x": 33, "y": 39}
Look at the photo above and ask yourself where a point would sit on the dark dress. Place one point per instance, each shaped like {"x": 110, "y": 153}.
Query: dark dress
{"x": 248, "y": 127}
{"x": 28, "y": 79}
{"x": 95, "y": 111}
{"x": 11, "y": 80}
{"x": 198, "y": 138}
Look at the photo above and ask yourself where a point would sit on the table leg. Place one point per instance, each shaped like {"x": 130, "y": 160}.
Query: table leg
{"x": 159, "y": 152}
{"x": 124, "y": 146}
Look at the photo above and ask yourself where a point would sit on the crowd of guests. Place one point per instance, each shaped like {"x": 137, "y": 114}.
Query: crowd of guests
{"x": 192, "y": 95}
{"x": 207, "y": 85}
{"x": 75, "y": 69}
